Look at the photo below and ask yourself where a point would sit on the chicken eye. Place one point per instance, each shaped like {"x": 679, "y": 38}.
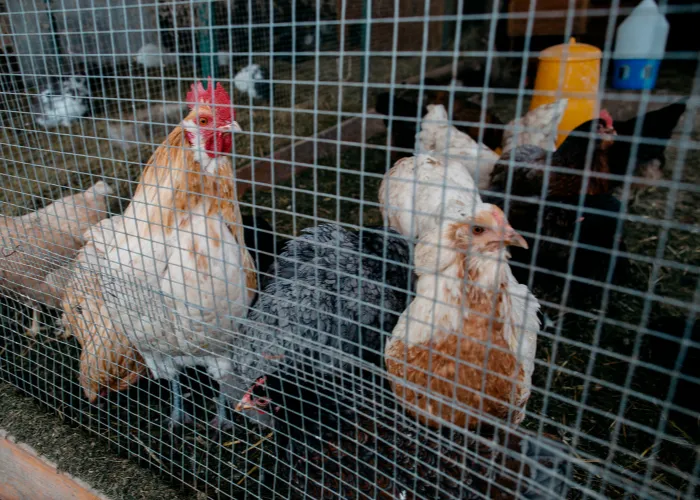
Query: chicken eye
{"x": 477, "y": 230}
{"x": 203, "y": 122}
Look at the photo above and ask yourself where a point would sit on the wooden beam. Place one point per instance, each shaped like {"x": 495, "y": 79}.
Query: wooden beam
{"x": 279, "y": 169}
{"x": 24, "y": 474}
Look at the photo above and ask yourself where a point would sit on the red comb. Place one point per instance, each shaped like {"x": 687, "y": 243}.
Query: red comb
{"x": 212, "y": 95}
{"x": 606, "y": 117}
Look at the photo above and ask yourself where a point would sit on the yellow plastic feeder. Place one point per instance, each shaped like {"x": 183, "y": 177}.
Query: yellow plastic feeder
{"x": 578, "y": 82}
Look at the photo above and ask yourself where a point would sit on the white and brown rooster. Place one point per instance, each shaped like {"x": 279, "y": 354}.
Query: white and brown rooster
{"x": 177, "y": 274}
{"x": 468, "y": 339}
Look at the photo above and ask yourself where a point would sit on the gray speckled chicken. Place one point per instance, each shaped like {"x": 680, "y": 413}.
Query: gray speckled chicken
{"x": 335, "y": 296}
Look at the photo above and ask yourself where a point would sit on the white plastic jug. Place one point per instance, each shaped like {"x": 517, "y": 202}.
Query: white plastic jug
{"x": 640, "y": 47}
{"x": 643, "y": 34}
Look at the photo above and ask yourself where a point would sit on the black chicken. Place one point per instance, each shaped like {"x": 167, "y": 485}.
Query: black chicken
{"x": 596, "y": 238}
{"x": 657, "y": 127}
{"x": 332, "y": 298}
{"x": 340, "y": 445}
{"x": 664, "y": 352}
{"x": 260, "y": 240}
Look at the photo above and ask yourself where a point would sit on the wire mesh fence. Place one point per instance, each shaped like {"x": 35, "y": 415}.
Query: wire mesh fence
{"x": 341, "y": 250}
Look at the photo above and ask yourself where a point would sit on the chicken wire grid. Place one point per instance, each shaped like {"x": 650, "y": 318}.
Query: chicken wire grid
{"x": 611, "y": 411}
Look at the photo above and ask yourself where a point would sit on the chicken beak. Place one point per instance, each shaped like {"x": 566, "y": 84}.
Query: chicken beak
{"x": 244, "y": 407}
{"x": 514, "y": 239}
{"x": 232, "y": 127}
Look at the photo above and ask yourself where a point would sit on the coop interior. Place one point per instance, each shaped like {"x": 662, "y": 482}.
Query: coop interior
{"x": 285, "y": 356}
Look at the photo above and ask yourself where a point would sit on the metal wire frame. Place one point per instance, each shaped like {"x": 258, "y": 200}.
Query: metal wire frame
{"x": 36, "y": 162}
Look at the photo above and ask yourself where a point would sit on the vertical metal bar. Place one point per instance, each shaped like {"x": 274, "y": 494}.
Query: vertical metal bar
{"x": 209, "y": 62}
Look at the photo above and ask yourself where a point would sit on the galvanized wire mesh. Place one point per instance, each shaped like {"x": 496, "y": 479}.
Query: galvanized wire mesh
{"x": 279, "y": 332}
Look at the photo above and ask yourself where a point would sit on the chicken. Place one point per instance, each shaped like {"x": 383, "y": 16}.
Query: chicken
{"x": 344, "y": 445}
{"x": 470, "y": 334}
{"x": 260, "y": 241}
{"x": 406, "y": 114}
{"x": 332, "y": 291}
{"x": 439, "y": 138}
{"x": 664, "y": 353}
{"x": 414, "y": 193}
{"x": 656, "y": 129}
{"x": 177, "y": 274}
{"x": 571, "y": 160}
{"x": 539, "y": 127}
{"x": 553, "y": 249}
{"x": 108, "y": 360}
{"x": 38, "y": 244}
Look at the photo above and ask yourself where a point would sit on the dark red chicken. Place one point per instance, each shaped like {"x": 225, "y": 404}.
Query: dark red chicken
{"x": 570, "y": 161}
{"x": 340, "y": 445}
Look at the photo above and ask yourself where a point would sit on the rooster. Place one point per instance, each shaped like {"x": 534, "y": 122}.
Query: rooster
{"x": 176, "y": 274}
{"x": 331, "y": 291}
{"x": 570, "y": 159}
{"x": 355, "y": 445}
{"x": 471, "y": 331}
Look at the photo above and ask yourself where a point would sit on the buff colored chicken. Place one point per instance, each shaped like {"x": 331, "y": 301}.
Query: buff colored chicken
{"x": 465, "y": 347}
{"x": 177, "y": 273}
{"x": 37, "y": 247}
{"x": 485, "y": 321}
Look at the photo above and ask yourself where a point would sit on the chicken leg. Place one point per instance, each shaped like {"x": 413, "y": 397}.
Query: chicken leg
{"x": 178, "y": 415}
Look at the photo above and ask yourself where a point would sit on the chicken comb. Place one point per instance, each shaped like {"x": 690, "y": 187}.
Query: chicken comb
{"x": 212, "y": 95}
{"x": 606, "y": 117}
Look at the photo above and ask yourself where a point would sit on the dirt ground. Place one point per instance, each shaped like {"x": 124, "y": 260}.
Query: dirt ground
{"x": 112, "y": 445}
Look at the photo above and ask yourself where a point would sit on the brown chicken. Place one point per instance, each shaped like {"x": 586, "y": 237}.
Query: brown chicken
{"x": 570, "y": 161}
{"x": 42, "y": 243}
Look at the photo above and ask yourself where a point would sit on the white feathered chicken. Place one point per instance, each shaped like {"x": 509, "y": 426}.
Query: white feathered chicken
{"x": 539, "y": 127}
{"x": 416, "y": 191}
{"x": 441, "y": 139}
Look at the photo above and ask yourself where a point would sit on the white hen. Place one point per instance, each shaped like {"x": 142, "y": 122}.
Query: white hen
{"x": 438, "y": 137}
{"x": 416, "y": 189}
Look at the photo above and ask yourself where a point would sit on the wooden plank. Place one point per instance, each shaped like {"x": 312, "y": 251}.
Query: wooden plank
{"x": 547, "y": 25}
{"x": 24, "y": 474}
{"x": 280, "y": 170}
